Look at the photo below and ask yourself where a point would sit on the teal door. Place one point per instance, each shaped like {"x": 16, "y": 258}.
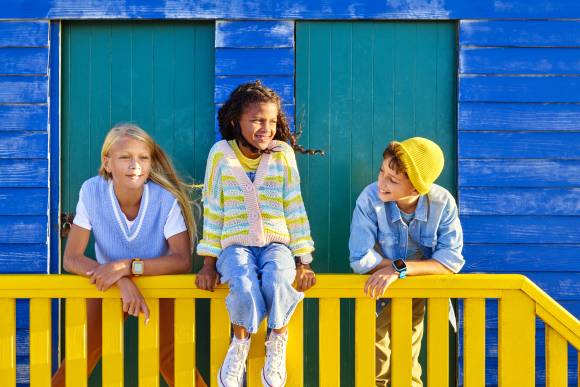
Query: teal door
{"x": 360, "y": 85}
{"x": 158, "y": 75}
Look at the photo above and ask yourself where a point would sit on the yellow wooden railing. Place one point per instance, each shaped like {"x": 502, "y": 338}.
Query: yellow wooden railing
{"x": 520, "y": 301}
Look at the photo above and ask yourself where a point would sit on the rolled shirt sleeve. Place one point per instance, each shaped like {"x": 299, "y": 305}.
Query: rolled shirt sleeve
{"x": 363, "y": 236}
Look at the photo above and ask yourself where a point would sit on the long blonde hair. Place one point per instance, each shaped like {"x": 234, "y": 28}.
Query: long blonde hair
{"x": 162, "y": 170}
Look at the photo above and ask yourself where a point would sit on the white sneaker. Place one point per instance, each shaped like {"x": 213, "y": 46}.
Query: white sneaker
{"x": 274, "y": 371}
{"x": 231, "y": 373}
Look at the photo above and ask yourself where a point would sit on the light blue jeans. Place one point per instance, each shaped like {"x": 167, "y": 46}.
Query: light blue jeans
{"x": 260, "y": 281}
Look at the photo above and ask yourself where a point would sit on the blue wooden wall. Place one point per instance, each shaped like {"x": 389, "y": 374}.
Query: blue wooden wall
{"x": 518, "y": 123}
{"x": 519, "y": 158}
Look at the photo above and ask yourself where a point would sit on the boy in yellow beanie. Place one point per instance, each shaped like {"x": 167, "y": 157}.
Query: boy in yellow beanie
{"x": 404, "y": 225}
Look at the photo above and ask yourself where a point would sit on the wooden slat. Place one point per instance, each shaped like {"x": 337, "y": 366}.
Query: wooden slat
{"x": 237, "y": 34}
{"x": 8, "y": 342}
{"x": 519, "y": 89}
{"x": 521, "y": 33}
{"x": 283, "y": 85}
{"x": 256, "y": 355}
{"x": 149, "y": 345}
{"x": 517, "y": 331}
{"x": 23, "y": 172}
{"x": 295, "y": 349}
{"x": 31, "y": 89}
{"x": 23, "y": 33}
{"x": 484, "y": 257}
{"x": 556, "y": 359}
{"x": 23, "y": 229}
{"x": 23, "y": 201}
{"x": 519, "y": 201}
{"x": 401, "y": 358}
{"x": 185, "y": 363}
{"x": 24, "y": 258}
{"x": 24, "y": 117}
{"x": 23, "y": 61}
{"x": 113, "y": 343}
{"x": 219, "y": 337}
{"x": 475, "y": 60}
{"x": 329, "y": 342}
{"x": 474, "y": 342}
{"x": 254, "y": 61}
{"x": 520, "y": 229}
{"x": 517, "y": 116}
{"x": 33, "y": 145}
{"x": 364, "y": 341}
{"x": 518, "y": 145}
{"x": 438, "y": 342}
{"x": 299, "y": 9}
{"x": 76, "y": 342}
{"x": 519, "y": 173}
{"x": 40, "y": 342}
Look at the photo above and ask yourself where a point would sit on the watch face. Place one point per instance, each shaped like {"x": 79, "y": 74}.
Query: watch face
{"x": 399, "y": 264}
{"x": 137, "y": 267}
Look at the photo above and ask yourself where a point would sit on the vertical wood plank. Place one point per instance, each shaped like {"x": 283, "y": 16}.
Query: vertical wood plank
{"x": 474, "y": 342}
{"x": 517, "y": 330}
{"x": 438, "y": 342}
{"x": 113, "y": 339}
{"x": 8, "y": 342}
{"x": 365, "y": 319}
{"x": 219, "y": 336}
{"x": 556, "y": 359}
{"x": 295, "y": 351}
{"x": 76, "y": 342}
{"x": 256, "y": 355}
{"x": 401, "y": 356}
{"x": 329, "y": 342}
{"x": 40, "y": 342}
{"x": 149, "y": 346}
{"x": 185, "y": 342}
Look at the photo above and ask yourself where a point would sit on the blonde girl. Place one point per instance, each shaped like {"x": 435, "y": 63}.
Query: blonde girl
{"x": 142, "y": 223}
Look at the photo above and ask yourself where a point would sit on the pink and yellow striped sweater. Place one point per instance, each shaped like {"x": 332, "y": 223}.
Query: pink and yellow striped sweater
{"x": 237, "y": 211}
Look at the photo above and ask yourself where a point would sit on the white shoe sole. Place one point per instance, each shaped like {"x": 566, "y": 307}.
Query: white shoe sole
{"x": 219, "y": 379}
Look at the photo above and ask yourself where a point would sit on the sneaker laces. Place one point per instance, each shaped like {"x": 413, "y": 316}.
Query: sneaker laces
{"x": 236, "y": 360}
{"x": 276, "y": 353}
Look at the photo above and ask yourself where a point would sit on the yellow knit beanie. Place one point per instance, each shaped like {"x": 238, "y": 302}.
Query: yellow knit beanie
{"x": 423, "y": 161}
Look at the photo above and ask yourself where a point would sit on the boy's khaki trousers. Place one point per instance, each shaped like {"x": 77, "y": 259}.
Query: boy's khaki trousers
{"x": 383, "y": 344}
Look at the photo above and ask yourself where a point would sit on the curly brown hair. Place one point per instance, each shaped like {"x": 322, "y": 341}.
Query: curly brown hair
{"x": 249, "y": 93}
{"x": 395, "y": 163}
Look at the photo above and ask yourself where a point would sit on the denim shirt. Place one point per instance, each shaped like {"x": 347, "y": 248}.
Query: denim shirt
{"x": 378, "y": 225}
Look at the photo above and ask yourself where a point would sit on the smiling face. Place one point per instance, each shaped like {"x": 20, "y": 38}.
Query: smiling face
{"x": 129, "y": 163}
{"x": 395, "y": 186}
{"x": 258, "y": 124}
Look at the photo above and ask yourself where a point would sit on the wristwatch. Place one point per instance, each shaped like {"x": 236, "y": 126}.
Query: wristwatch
{"x": 304, "y": 259}
{"x": 400, "y": 267}
{"x": 137, "y": 267}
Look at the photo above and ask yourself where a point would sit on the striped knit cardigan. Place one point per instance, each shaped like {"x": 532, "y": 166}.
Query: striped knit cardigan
{"x": 237, "y": 211}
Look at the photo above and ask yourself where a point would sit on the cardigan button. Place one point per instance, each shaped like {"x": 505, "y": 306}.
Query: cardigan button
{"x": 253, "y": 216}
{"x": 247, "y": 187}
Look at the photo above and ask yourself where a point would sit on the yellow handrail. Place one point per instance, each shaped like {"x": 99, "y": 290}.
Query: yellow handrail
{"x": 520, "y": 301}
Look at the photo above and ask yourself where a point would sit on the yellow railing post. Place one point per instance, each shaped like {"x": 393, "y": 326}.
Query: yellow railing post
{"x": 329, "y": 342}
{"x": 517, "y": 330}
{"x": 556, "y": 359}
{"x": 401, "y": 338}
{"x": 474, "y": 342}
{"x": 76, "y": 342}
{"x": 149, "y": 346}
{"x": 8, "y": 341}
{"x": 295, "y": 351}
{"x": 40, "y": 342}
{"x": 219, "y": 336}
{"x": 113, "y": 343}
{"x": 364, "y": 341}
{"x": 256, "y": 355}
{"x": 185, "y": 342}
{"x": 438, "y": 342}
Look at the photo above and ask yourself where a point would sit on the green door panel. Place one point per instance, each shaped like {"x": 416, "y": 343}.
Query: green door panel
{"x": 158, "y": 75}
{"x": 360, "y": 85}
